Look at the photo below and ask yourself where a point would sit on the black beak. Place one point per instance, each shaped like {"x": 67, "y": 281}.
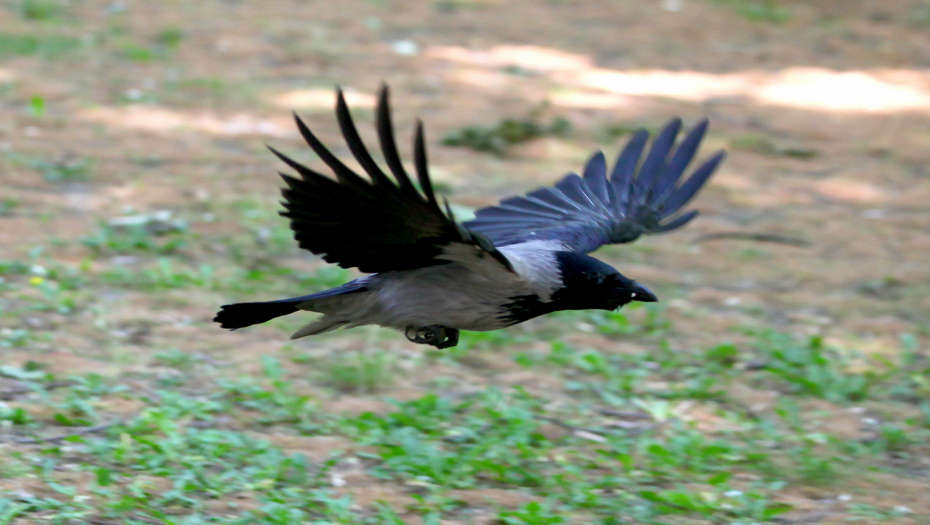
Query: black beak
{"x": 642, "y": 294}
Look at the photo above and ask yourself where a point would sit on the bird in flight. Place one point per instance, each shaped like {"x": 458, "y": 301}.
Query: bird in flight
{"x": 431, "y": 276}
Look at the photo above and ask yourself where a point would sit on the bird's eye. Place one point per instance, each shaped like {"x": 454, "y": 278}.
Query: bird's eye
{"x": 632, "y": 294}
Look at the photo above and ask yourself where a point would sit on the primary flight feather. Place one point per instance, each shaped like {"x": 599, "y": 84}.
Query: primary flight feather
{"x": 431, "y": 276}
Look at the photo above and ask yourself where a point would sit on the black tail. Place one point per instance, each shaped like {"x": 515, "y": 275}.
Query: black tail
{"x": 240, "y": 315}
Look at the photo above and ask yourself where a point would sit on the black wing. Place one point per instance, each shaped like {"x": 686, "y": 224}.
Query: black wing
{"x": 375, "y": 225}
{"x": 587, "y": 212}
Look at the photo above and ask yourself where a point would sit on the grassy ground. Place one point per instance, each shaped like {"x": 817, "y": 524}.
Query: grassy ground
{"x": 782, "y": 382}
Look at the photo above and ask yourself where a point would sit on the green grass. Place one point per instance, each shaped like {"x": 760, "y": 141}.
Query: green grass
{"x": 139, "y": 53}
{"x": 758, "y": 143}
{"x": 488, "y": 439}
{"x": 64, "y": 169}
{"x": 198, "y": 473}
{"x": 51, "y": 46}
{"x": 366, "y": 373}
{"x": 8, "y": 206}
{"x": 39, "y": 10}
{"x": 498, "y": 139}
{"x": 147, "y": 236}
{"x": 170, "y": 37}
{"x": 193, "y": 450}
{"x": 760, "y": 10}
{"x": 636, "y": 423}
{"x": 810, "y": 368}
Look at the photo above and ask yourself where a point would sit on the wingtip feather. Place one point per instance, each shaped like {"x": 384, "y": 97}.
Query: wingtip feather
{"x": 388, "y": 142}
{"x": 421, "y": 164}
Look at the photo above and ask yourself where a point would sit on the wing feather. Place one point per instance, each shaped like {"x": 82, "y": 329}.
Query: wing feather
{"x": 621, "y": 177}
{"x": 642, "y": 195}
{"x": 388, "y": 143}
{"x": 574, "y": 188}
{"x": 665, "y": 184}
{"x": 689, "y": 188}
{"x": 354, "y": 141}
{"x": 595, "y": 177}
{"x": 530, "y": 207}
{"x": 374, "y": 224}
{"x": 655, "y": 161}
{"x": 419, "y": 161}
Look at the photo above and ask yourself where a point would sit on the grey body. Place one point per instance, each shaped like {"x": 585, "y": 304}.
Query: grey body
{"x": 466, "y": 294}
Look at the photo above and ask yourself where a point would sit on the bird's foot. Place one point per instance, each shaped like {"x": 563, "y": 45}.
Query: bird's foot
{"x": 433, "y": 335}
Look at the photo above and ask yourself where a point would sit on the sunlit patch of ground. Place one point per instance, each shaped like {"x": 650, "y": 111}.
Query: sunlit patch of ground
{"x": 163, "y": 120}
{"x": 321, "y": 98}
{"x": 136, "y": 197}
{"x": 817, "y": 89}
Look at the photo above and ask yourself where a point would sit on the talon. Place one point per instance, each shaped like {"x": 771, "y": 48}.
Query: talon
{"x": 451, "y": 339}
{"x": 425, "y": 335}
{"x": 433, "y": 335}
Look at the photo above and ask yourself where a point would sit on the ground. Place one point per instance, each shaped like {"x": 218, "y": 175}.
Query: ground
{"x": 782, "y": 378}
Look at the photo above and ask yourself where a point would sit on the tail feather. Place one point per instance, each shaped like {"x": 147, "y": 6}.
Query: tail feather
{"x": 240, "y": 315}
{"x": 319, "y": 326}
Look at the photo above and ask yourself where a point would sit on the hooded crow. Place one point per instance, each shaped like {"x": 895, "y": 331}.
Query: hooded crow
{"x": 431, "y": 276}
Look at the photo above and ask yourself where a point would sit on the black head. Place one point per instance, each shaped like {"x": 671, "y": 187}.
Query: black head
{"x": 590, "y": 284}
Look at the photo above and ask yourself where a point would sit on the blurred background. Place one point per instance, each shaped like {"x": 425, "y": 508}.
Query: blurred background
{"x": 783, "y": 376}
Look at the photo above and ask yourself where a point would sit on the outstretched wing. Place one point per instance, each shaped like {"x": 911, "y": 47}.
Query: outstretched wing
{"x": 376, "y": 224}
{"x": 587, "y": 212}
